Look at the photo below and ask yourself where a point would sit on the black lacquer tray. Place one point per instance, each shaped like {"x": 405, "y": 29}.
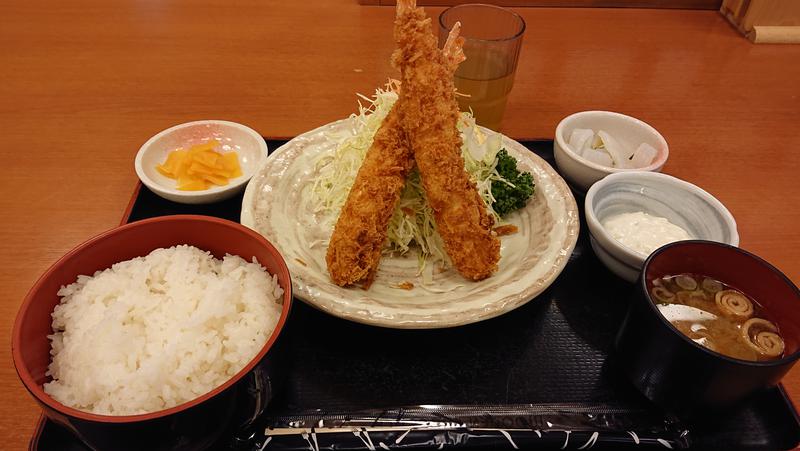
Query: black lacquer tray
{"x": 541, "y": 376}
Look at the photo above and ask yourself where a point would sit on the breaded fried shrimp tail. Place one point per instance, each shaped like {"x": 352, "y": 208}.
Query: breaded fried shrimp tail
{"x": 453, "y": 49}
{"x": 355, "y": 247}
{"x": 430, "y": 114}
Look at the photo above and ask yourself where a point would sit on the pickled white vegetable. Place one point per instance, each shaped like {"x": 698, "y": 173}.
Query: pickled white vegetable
{"x": 578, "y": 138}
{"x": 619, "y": 155}
{"x": 598, "y": 156}
{"x": 602, "y": 148}
{"x": 643, "y": 156}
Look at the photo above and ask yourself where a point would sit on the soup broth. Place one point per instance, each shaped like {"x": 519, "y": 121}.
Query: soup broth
{"x": 717, "y": 316}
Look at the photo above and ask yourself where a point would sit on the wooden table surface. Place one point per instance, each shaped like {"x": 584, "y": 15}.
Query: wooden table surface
{"x": 84, "y": 83}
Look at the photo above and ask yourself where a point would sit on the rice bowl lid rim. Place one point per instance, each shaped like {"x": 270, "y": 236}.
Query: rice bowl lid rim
{"x": 37, "y": 390}
{"x": 642, "y": 284}
{"x": 660, "y": 159}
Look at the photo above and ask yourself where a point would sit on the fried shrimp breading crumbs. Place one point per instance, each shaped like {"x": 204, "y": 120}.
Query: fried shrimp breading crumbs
{"x": 355, "y": 247}
{"x": 508, "y": 229}
{"x": 420, "y": 128}
{"x": 404, "y": 285}
{"x": 429, "y": 114}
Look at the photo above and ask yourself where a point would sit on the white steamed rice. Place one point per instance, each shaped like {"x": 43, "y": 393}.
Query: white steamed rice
{"x": 150, "y": 333}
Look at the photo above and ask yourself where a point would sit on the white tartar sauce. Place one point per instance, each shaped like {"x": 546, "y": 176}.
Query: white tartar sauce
{"x": 642, "y": 232}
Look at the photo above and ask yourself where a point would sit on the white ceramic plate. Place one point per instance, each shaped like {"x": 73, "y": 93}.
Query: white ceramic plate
{"x": 531, "y": 259}
{"x": 243, "y": 140}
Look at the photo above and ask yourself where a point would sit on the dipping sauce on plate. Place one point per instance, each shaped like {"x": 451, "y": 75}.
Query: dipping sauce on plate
{"x": 643, "y": 233}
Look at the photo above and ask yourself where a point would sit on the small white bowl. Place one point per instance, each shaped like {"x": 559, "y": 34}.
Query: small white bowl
{"x": 683, "y": 204}
{"x": 246, "y": 142}
{"x": 629, "y": 131}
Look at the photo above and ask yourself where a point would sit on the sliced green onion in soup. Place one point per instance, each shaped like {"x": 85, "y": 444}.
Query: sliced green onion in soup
{"x": 686, "y": 282}
{"x": 661, "y": 294}
{"x": 711, "y": 285}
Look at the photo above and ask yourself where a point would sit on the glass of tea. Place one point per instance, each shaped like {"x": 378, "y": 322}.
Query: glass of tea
{"x": 493, "y": 41}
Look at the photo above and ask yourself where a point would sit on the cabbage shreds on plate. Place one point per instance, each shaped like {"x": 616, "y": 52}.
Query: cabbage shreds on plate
{"x": 413, "y": 224}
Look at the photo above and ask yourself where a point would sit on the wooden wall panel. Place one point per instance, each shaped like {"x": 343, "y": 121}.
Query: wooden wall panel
{"x": 668, "y": 4}
{"x": 765, "y": 21}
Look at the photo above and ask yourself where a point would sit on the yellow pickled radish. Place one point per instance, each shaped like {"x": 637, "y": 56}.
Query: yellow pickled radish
{"x": 215, "y": 179}
{"x": 206, "y": 157}
{"x": 230, "y": 161}
{"x": 193, "y": 185}
{"x": 210, "y": 145}
{"x": 198, "y": 167}
{"x": 174, "y": 160}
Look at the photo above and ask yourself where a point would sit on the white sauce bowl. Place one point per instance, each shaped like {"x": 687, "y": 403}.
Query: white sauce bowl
{"x": 681, "y": 203}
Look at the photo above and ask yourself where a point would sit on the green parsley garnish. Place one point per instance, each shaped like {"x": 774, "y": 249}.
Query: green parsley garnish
{"x": 513, "y": 194}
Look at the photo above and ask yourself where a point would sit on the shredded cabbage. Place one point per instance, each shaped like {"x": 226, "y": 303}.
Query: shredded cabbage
{"x": 412, "y": 224}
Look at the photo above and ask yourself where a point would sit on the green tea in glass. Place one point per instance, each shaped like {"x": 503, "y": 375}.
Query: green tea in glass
{"x": 493, "y": 38}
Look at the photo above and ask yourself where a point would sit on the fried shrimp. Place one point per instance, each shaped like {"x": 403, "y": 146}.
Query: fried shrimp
{"x": 355, "y": 247}
{"x": 429, "y": 114}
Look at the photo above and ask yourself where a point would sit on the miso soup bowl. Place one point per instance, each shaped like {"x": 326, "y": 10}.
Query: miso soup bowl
{"x": 194, "y": 425}
{"x": 682, "y": 376}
